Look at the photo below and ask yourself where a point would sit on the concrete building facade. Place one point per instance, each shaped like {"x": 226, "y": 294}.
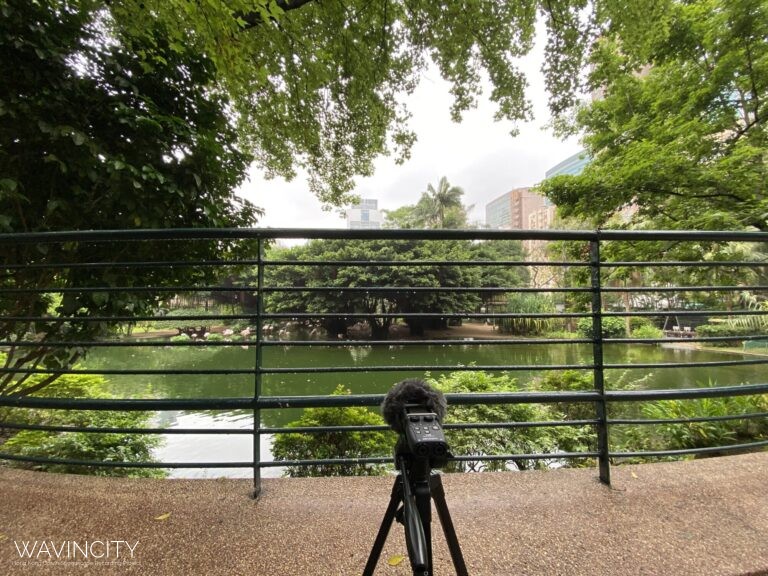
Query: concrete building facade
{"x": 512, "y": 210}
{"x": 365, "y": 215}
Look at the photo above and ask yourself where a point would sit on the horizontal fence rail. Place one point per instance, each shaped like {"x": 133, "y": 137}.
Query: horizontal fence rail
{"x": 228, "y": 324}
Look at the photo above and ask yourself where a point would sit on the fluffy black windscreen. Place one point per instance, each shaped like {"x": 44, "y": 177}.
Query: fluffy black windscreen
{"x": 411, "y": 392}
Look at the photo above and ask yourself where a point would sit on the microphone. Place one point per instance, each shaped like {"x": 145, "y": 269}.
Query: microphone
{"x": 409, "y": 392}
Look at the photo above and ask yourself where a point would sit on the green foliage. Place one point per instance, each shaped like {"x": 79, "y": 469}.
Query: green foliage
{"x": 320, "y": 86}
{"x": 325, "y": 445}
{"x": 757, "y": 323}
{"x": 528, "y": 440}
{"x": 499, "y": 276}
{"x": 438, "y": 208}
{"x": 636, "y": 322}
{"x": 81, "y": 445}
{"x": 679, "y": 130}
{"x": 373, "y": 275}
{"x": 706, "y": 434}
{"x": 613, "y": 327}
{"x": 568, "y": 381}
{"x": 112, "y": 143}
{"x": 527, "y": 303}
{"x": 724, "y": 329}
{"x": 561, "y": 334}
{"x": 499, "y": 441}
{"x": 647, "y": 331}
{"x": 101, "y": 133}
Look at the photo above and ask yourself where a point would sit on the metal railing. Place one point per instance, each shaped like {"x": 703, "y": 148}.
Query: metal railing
{"x": 122, "y": 275}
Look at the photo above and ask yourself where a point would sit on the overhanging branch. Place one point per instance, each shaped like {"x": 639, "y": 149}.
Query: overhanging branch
{"x": 253, "y": 19}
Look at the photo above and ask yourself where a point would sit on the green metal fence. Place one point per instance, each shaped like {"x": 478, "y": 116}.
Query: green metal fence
{"x": 64, "y": 294}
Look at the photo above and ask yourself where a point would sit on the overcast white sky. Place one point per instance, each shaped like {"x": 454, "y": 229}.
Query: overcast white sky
{"x": 479, "y": 155}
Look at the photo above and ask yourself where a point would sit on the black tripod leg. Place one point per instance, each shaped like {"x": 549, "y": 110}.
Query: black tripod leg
{"x": 438, "y": 495}
{"x": 389, "y": 516}
{"x": 422, "y": 495}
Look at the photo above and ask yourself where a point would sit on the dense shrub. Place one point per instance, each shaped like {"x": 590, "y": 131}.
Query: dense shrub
{"x": 500, "y": 441}
{"x": 568, "y": 381}
{"x": 647, "y": 331}
{"x": 525, "y": 303}
{"x": 80, "y": 445}
{"x": 613, "y": 327}
{"x": 334, "y": 445}
{"x": 714, "y": 330}
{"x": 636, "y": 322}
{"x": 705, "y": 434}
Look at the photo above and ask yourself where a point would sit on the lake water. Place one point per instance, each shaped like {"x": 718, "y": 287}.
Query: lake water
{"x": 190, "y": 448}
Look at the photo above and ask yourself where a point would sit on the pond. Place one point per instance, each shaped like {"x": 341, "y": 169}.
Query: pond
{"x": 200, "y": 447}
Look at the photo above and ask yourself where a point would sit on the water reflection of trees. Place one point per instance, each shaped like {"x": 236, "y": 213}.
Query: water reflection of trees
{"x": 323, "y": 383}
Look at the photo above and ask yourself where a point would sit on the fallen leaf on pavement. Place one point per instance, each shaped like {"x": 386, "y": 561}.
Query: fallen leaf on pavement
{"x": 395, "y": 560}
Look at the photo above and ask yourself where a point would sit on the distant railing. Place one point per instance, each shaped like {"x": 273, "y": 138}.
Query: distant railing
{"x": 134, "y": 263}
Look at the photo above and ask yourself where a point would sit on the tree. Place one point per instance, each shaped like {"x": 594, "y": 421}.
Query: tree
{"x": 679, "y": 131}
{"x": 439, "y": 208}
{"x": 319, "y": 85}
{"x": 499, "y": 276}
{"x": 443, "y": 207}
{"x": 375, "y": 276}
{"x": 99, "y": 134}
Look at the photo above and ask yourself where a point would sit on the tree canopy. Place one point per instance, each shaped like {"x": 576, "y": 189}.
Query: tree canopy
{"x": 321, "y": 85}
{"x": 679, "y": 128}
{"x": 92, "y": 136}
{"x": 387, "y": 282}
{"x": 437, "y": 208}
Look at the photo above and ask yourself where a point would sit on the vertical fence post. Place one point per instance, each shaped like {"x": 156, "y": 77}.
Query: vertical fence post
{"x": 257, "y": 369}
{"x": 597, "y": 354}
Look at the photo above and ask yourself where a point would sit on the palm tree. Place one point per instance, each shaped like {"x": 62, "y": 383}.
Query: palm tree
{"x": 436, "y": 203}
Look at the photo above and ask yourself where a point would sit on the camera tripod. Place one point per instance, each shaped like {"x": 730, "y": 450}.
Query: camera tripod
{"x": 415, "y": 487}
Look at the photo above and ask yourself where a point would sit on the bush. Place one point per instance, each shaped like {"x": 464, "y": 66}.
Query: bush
{"x": 636, "y": 322}
{"x": 525, "y": 303}
{"x": 561, "y": 334}
{"x": 705, "y": 434}
{"x": 568, "y": 381}
{"x": 81, "y": 445}
{"x": 647, "y": 331}
{"x": 326, "y": 445}
{"x": 499, "y": 441}
{"x": 714, "y": 330}
{"x": 613, "y": 327}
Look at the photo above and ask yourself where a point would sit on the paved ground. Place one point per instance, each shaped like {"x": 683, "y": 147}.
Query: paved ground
{"x": 698, "y": 518}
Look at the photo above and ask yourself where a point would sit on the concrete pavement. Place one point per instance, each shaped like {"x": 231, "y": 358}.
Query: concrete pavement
{"x": 704, "y": 517}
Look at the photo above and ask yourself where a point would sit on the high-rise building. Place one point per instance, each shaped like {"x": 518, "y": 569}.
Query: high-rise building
{"x": 511, "y": 211}
{"x": 542, "y": 218}
{"x": 366, "y": 214}
{"x": 573, "y": 165}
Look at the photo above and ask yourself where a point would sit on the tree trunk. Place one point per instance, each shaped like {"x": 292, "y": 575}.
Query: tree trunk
{"x": 380, "y": 329}
{"x": 335, "y": 327}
